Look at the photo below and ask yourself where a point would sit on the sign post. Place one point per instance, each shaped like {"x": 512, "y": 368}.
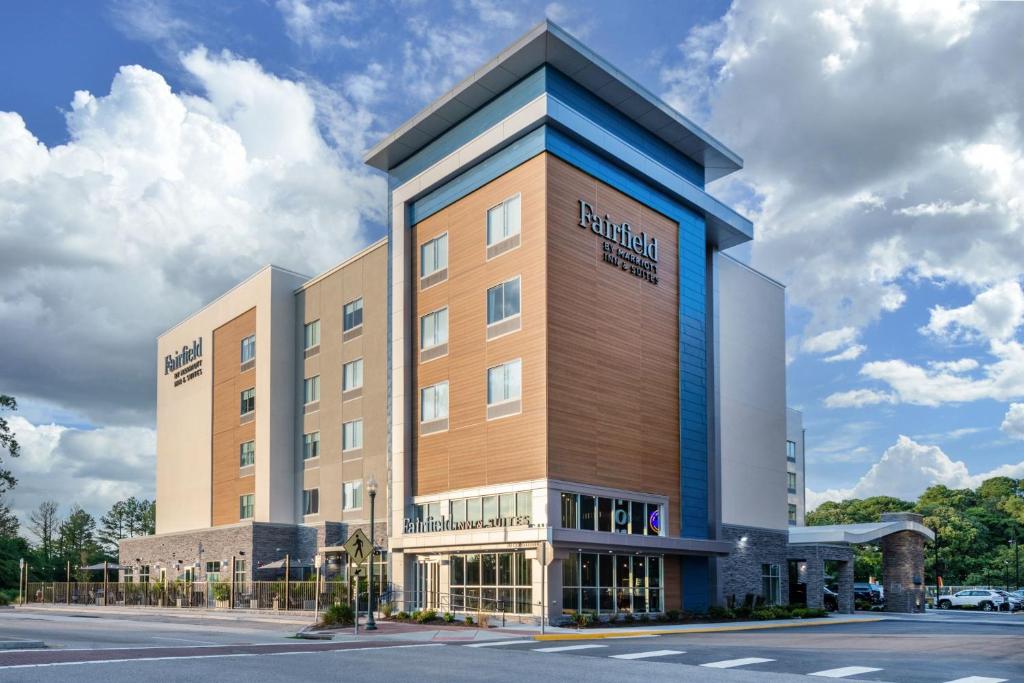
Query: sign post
{"x": 359, "y": 550}
{"x": 317, "y": 561}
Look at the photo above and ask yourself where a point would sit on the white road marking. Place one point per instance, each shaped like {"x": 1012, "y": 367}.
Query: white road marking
{"x": 188, "y": 640}
{"x": 652, "y": 653}
{"x": 242, "y": 654}
{"x": 979, "y": 679}
{"x": 499, "y": 642}
{"x": 844, "y": 671}
{"x": 566, "y": 648}
{"x": 730, "y": 663}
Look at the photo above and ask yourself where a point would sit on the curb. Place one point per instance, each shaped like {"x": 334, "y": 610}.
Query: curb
{"x": 709, "y": 629}
{"x": 22, "y": 645}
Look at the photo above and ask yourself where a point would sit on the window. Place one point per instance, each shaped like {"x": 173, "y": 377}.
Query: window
{"x": 602, "y": 583}
{"x": 491, "y": 582}
{"x": 791, "y": 451}
{"x": 248, "y": 401}
{"x": 247, "y": 454}
{"x": 311, "y": 445}
{"x": 240, "y": 575}
{"x": 213, "y": 571}
{"x": 771, "y": 584}
{"x": 246, "y": 504}
{"x": 434, "y": 329}
{"x": 504, "y": 382}
{"x": 311, "y": 502}
{"x": 434, "y": 255}
{"x": 503, "y": 301}
{"x": 352, "y": 435}
{"x": 352, "y": 375}
{"x": 311, "y": 389}
{"x": 144, "y": 574}
{"x": 249, "y": 348}
{"x": 434, "y": 402}
{"x": 791, "y": 480}
{"x": 352, "y": 495}
{"x": 612, "y": 514}
{"x": 792, "y": 513}
{"x": 503, "y": 221}
{"x": 312, "y": 334}
{"x": 353, "y": 314}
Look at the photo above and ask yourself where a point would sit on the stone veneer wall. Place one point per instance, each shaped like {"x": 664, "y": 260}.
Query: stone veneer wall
{"x": 740, "y": 572}
{"x": 903, "y": 566}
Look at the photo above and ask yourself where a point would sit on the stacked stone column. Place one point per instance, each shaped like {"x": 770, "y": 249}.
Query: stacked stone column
{"x": 903, "y": 566}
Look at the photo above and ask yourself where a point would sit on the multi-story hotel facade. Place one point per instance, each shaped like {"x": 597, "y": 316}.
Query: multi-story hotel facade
{"x": 568, "y": 396}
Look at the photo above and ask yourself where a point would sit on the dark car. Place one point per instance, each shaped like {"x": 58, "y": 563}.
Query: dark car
{"x": 830, "y": 600}
{"x": 868, "y": 592}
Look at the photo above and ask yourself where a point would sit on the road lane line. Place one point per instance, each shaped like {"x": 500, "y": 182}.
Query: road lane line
{"x": 652, "y": 653}
{"x": 730, "y": 663}
{"x": 501, "y": 642}
{"x": 979, "y": 679}
{"x": 188, "y": 640}
{"x": 844, "y": 671}
{"x": 567, "y": 648}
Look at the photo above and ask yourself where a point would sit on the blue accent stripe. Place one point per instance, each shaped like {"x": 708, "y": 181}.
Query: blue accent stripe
{"x": 696, "y": 574}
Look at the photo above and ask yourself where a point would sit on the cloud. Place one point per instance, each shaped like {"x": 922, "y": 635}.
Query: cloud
{"x": 93, "y": 468}
{"x": 906, "y": 469}
{"x": 860, "y": 176}
{"x": 833, "y": 340}
{"x": 858, "y": 398}
{"x": 317, "y": 24}
{"x": 158, "y": 202}
{"x": 850, "y": 353}
{"x": 996, "y": 313}
{"x": 1013, "y": 423}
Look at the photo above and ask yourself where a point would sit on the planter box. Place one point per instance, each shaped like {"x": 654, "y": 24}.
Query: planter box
{"x": 255, "y": 604}
{"x": 277, "y": 604}
{"x": 179, "y": 602}
{"x": 309, "y": 605}
{"x": 101, "y": 602}
{"x": 223, "y": 604}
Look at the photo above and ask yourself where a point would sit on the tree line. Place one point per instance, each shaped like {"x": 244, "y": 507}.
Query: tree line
{"x": 59, "y": 539}
{"x": 976, "y": 530}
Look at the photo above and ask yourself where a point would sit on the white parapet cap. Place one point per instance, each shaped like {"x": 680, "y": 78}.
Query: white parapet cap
{"x": 547, "y": 43}
{"x": 855, "y": 533}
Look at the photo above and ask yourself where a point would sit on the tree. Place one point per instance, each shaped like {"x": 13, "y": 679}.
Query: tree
{"x": 76, "y": 539}
{"x": 9, "y": 525}
{"x": 126, "y": 518}
{"x": 43, "y": 523}
{"x": 8, "y": 442}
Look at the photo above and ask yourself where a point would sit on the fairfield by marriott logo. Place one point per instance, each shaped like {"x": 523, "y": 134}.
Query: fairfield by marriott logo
{"x": 633, "y": 252}
{"x": 174, "y": 361}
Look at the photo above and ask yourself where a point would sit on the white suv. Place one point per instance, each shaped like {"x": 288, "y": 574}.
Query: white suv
{"x": 987, "y": 600}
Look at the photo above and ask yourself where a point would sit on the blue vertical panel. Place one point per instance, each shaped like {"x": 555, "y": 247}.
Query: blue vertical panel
{"x": 696, "y": 574}
{"x": 693, "y": 409}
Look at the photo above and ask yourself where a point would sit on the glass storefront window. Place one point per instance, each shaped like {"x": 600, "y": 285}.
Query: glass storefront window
{"x": 587, "y": 519}
{"x": 490, "y": 507}
{"x": 593, "y": 513}
{"x": 638, "y": 518}
{"x": 506, "y": 505}
{"x": 524, "y": 503}
{"x": 604, "y": 514}
{"x": 621, "y": 517}
{"x": 474, "y": 512}
{"x": 611, "y": 583}
{"x": 458, "y": 510}
{"x": 569, "y": 509}
{"x": 492, "y": 582}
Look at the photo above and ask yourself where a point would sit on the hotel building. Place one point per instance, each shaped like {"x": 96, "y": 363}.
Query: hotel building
{"x": 569, "y": 395}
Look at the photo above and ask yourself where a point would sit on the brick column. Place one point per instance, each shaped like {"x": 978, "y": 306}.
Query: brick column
{"x": 845, "y": 587}
{"x": 903, "y": 566}
{"x": 815, "y": 580}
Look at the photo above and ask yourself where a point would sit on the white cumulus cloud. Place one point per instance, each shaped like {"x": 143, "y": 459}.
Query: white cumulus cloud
{"x": 1013, "y": 423}
{"x": 996, "y": 313}
{"x": 858, "y": 398}
{"x": 906, "y": 469}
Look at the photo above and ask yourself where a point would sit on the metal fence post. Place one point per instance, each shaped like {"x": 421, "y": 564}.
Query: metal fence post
{"x": 287, "y": 580}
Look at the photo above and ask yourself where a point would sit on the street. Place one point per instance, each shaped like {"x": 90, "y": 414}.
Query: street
{"x": 958, "y": 646}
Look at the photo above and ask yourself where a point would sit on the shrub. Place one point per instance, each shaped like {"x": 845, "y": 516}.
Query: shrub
{"x": 672, "y": 614}
{"x": 763, "y": 614}
{"x": 581, "y": 620}
{"x": 449, "y": 617}
{"x": 742, "y": 612}
{"x": 426, "y": 616}
{"x": 628, "y": 618}
{"x": 221, "y": 591}
{"x": 387, "y": 609}
{"x": 338, "y": 615}
{"x": 645, "y": 618}
{"x": 402, "y": 616}
{"x": 469, "y": 620}
{"x": 718, "y": 612}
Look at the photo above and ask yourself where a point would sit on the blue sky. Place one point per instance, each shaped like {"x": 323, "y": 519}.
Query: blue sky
{"x": 159, "y": 152}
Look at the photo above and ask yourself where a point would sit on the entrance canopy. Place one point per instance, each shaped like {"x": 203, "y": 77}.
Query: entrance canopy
{"x": 855, "y": 533}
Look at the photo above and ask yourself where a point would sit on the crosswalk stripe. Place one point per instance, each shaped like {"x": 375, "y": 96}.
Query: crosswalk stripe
{"x": 730, "y": 663}
{"x": 979, "y": 679}
{"x": 652, "y": 653}
{"x": 499, "y": 642}
{"x": 566, "y": 648}
{"x": 843, "y": 672}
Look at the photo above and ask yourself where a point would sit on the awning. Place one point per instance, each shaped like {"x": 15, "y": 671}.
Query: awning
{"x": 279, "y": 564}
{"x": 98, "y": 567}
{"x": 855, "y": 533}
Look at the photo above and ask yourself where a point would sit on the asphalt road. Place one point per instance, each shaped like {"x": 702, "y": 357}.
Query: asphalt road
{"x": 960, "y": 647}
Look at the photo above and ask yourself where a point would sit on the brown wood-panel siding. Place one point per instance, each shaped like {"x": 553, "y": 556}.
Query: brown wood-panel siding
{"x": 673, "y": 582}
{"x": 476, "y": 451}
{"x": 613, "y": 367}
{"x": 228, "y": 434}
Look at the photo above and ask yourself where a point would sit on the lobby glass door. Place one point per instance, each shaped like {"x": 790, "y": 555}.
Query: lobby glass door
{"x": 427, "y": 582}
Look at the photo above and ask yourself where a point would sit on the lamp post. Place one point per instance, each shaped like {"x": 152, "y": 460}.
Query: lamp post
{"x": 1016, "y": 562}
{"x": 371, "y": 625}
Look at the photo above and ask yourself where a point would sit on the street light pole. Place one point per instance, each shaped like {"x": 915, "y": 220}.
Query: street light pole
{"x": 1016, "y": 561}
{"x": 371, "y": 625}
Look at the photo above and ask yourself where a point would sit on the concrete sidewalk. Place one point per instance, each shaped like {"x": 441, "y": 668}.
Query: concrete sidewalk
{"x": 290, "y": 618}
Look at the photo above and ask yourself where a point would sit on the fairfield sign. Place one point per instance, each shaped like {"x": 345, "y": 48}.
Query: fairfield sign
{"x": 435, "y": 524}
{"x": 186, "y": 364}
{"x": 633, "y": 252}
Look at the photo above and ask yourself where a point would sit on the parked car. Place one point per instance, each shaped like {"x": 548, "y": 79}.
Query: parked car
{"x": 868, "y": 592}
{"x": 830, "y": 600}
{"x": 980, "y": 598}
{"x": 1013, "y": 602}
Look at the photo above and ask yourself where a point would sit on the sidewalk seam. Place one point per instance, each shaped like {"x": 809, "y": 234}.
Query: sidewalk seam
{"x": 709, "y": 629}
